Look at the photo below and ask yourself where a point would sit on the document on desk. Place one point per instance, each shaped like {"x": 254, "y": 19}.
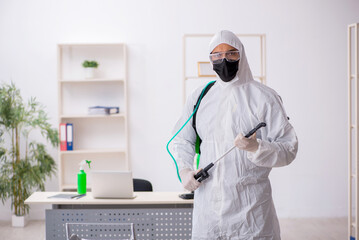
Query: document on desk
{"x": 68, "y": 196}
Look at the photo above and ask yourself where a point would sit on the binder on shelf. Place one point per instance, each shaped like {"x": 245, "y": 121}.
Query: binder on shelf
{"x": 69, "y": 135}
{"x": 63, "y": 139}
{"x": 103, "y": 110}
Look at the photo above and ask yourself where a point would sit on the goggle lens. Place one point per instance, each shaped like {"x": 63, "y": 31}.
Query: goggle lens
{"x": 231, "y": 56}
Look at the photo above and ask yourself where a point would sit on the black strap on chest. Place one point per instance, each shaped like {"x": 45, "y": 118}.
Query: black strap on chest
{"x": 198, "y": 140}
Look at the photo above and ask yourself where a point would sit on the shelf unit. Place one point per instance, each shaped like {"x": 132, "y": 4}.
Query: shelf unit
{"x": 353, "y": 131}
{"x": 119, "y": 115}
{"x": 103, "y": 139}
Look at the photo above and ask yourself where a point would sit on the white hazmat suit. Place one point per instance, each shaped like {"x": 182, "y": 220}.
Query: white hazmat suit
{"x": 235, "y": 202}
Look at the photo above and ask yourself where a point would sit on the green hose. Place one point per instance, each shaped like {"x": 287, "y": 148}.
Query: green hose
{"x": 174, "y": 160}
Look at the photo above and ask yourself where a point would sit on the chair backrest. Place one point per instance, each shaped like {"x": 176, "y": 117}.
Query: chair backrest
{"x": 141, "y": 185}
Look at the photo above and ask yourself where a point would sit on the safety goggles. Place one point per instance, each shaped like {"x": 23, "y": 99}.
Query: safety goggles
{"x": 231, "y": 56}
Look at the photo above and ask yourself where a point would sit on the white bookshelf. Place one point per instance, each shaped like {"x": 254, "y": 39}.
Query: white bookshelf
{"x": 103, "y": 139}
{"x": 120, "y": 115}
{"x": 104, "y": 80}
{"x": 86, "y": 151}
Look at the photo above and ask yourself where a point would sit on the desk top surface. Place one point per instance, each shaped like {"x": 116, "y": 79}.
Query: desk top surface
{"x": 141, "y": 198}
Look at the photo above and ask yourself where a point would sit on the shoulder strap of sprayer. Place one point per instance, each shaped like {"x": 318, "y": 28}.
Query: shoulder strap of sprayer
{"x": 198, "y": 140}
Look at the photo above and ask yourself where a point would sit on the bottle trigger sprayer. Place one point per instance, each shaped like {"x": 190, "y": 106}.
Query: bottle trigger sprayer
{"x": 81, "y": 177}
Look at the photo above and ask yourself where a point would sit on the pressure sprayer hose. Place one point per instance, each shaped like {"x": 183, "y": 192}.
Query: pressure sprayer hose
{"x": 174, "y": 160}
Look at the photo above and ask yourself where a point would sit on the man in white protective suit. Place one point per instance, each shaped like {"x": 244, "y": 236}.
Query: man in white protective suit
{"x": 235, "y": 202}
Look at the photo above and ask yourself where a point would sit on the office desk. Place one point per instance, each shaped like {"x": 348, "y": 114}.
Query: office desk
{"x": 156, "y": 215}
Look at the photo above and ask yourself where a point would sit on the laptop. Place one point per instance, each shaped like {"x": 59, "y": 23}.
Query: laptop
{"x": 112, "y": 184}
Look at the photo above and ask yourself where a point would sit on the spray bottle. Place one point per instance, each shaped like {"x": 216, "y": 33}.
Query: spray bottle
{"x": 81, "y": 177}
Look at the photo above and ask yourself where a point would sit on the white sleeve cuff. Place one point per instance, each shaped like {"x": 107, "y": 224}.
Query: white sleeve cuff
{"x": 253, "y": 155}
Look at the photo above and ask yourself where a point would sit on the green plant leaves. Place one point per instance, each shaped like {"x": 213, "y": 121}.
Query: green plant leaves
{"x": 21, "y": 174}
{"x": 92, "y": 64}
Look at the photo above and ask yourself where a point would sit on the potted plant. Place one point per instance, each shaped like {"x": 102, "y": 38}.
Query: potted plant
{"x": 24, "y": 163}
{"x": 89, "y": 68}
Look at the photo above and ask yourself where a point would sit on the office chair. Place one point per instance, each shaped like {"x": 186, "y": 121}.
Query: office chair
{"x": 141, "y": 185}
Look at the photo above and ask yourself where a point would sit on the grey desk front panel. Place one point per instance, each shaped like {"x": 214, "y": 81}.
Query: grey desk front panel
{"x": 151, "y": 222}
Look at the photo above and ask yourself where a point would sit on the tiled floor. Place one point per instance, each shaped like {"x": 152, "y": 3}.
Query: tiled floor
{"x": 34, "y": 230}
{"x": 292, "y": 229}
{"x": 314, "y": 229}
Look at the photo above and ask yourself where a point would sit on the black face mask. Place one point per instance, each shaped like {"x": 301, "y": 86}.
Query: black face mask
{"x": 226, "y": 70}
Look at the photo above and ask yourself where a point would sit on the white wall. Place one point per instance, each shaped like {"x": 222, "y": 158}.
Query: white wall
{"x": 307, "y": 59}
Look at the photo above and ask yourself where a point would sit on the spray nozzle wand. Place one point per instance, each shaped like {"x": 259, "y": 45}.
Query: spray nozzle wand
{"x": 83, "y": 162}
{"x": 203, "y": 173}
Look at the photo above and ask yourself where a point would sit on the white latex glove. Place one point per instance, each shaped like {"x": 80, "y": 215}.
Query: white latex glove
{"x": 248, "y": 144}
{"x": 188, "y": 181}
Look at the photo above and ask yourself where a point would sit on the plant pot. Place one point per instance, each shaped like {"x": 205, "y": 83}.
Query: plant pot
{"x": 19, "y": 221}
{"x": 89, "y": 72}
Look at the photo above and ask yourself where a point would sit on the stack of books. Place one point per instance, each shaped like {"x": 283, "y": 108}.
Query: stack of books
{"x": 66, "y": 136}
{"x": 103, "y": 110}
